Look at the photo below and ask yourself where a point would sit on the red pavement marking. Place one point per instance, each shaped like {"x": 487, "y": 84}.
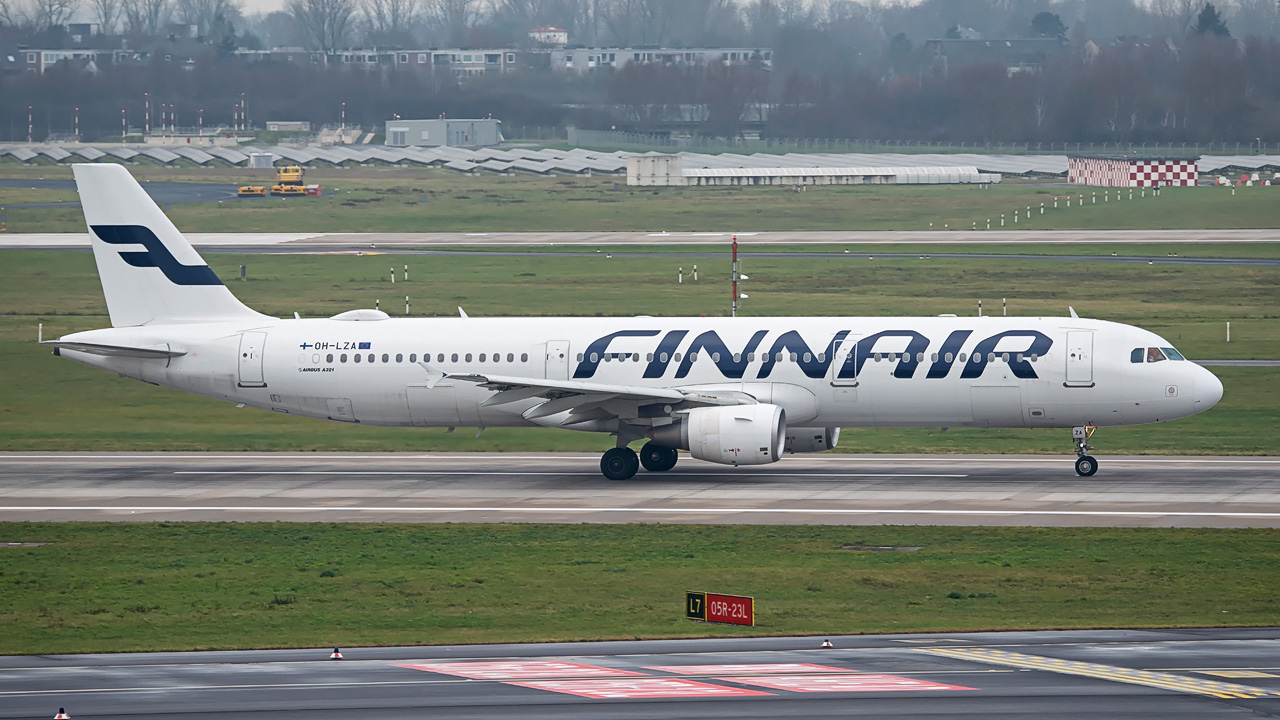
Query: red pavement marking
{"x": 637, "y": 688}
{"x": 843, "y": 683}
{"x": 518, "y": 669}
{"x": 762, "y": 669}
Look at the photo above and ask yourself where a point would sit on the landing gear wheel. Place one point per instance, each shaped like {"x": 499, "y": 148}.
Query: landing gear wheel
{"x": 620, "y": 463}
{"x": 656, "y": 458}
{"x": 1086, "y": 465}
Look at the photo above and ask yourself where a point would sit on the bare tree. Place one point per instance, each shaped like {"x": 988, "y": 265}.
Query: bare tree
{"x": 107, "y": 13}
{"x": 13, "y": 14}
{"x": 324, "y": 23}
{"x": 388, "y": 19}
{"x": 454, "y": 19}
{"x": 205, "y": 14}
{"x": 54, "y": 13}
{"x": 1176, "y": 14}
{"x": 147, "y": 17}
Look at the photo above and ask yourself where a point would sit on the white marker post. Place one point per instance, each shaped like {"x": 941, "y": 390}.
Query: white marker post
{"x": 1228, "y": 331}
{"x": 393, "y": 274}
{"x": 1004, "y": 306}
{"x": 406, "y": 273}
{"x": 680, "y": 277}
{"x": 979, "y": 308}
{"x": 695, "y": 273}
{"x": 406, "y": 305}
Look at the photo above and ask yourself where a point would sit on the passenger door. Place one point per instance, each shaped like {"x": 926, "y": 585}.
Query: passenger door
{"x": 1080, "y": 358}
{"x": 251, "y": 352}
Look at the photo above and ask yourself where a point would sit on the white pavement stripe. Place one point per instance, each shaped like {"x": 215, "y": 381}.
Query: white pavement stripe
{"x": 645, "y": 510}
{"x": 518, "y": 473}
{"x": 488, "y": 457}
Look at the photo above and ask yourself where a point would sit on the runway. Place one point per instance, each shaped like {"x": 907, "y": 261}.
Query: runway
{"x": 383, "y": 240}
{"x": 1191, "y": 673}
{"x": 841, "y": 489}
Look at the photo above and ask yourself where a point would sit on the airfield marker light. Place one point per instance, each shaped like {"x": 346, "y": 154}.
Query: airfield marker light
{"x": 62, "y": 715}
{"x": 826, "y": 645}
{"x": 335, "y": 655}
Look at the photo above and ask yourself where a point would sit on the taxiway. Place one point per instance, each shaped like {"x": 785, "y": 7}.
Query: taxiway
{"x": 568, "y": 487}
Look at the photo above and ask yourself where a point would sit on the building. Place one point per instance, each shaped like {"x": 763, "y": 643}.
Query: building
{"x": 584, "y": 60}
{"x": 1132, "y": 171}
{"x": 657, "y": 169}
{"x": 481, "y": 132}
{"x": 549, "y": 35}
{"x": 289, "y": 126}
{"x": 1014, "y": 54}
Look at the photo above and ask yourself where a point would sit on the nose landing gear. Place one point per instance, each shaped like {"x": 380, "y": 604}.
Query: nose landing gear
{"x": 1086, "y": 464}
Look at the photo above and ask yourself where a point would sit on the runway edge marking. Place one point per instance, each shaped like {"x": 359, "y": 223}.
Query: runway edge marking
{"x": 1165, "y": 681}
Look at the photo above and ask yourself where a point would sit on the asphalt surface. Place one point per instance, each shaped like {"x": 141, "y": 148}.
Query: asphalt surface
{"x": 568, "y": 488}
{"x": 337, "y": 242}
{"x": 1189, "y": 673}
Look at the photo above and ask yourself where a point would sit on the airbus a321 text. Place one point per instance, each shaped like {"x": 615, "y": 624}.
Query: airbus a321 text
{"x": 736, "y": 391}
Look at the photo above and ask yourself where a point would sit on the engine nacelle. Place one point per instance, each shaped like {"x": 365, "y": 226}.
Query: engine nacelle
{"x": 810, "y": 439}
{"x": 733, "y": 435}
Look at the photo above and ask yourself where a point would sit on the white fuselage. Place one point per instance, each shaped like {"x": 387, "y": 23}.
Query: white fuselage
{"x": 851, "y": 372}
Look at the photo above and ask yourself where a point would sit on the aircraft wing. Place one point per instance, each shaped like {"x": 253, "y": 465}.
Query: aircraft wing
{"x": 148, "y": 351}
{"x": 589, "y": 400}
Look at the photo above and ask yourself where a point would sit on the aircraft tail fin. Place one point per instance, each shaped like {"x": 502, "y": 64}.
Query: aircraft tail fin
{"x": 150, "y": 274}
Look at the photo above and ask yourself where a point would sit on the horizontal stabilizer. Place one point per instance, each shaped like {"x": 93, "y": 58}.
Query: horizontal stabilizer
{"x": 147, "y": 351}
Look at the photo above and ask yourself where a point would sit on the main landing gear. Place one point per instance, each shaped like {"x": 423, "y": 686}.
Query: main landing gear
{"x": 1086, "y": 464}
{"x": 621, "y": 463}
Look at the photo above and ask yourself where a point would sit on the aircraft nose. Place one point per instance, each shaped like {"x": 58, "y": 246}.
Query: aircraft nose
{"x": 1208, "y": 390}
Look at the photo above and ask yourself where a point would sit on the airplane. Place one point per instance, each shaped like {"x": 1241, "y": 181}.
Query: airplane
{"x": 735, "y": 391}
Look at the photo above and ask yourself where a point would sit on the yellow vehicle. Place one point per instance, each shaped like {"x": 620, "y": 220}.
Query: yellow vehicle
{"x": 252, "y": 191}
{"x": 289, "y": 182}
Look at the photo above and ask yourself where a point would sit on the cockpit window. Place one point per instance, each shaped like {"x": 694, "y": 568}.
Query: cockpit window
{"x": 1154, "y": 355}
{"x": 1136, "y": 355}
{"x": 1172, "y": 354}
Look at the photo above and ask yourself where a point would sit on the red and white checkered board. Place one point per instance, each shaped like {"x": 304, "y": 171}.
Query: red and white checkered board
{"x": 519, "y": 670}
{"x": 843, "y": 683}
{"x": 638, "y": 688}
{"x": 1148, "y": 174}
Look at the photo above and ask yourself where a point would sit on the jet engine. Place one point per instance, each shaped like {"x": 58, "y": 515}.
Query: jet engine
{"x": 810, "y": 439}
{"x": 734, "y": 435}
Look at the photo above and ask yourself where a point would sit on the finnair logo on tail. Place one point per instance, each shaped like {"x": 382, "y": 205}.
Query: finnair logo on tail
{"x": 156, "y": 254}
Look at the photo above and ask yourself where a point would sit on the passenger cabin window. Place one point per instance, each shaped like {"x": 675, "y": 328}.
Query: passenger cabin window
{"x": 1154, "y": 355}
{"x": 1135, "y": 356}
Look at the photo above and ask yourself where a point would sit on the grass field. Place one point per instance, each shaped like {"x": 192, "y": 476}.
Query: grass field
{"x": 98, "y": 587}
{"x": 430, "y": 200}
{"x": 51, "y": 404}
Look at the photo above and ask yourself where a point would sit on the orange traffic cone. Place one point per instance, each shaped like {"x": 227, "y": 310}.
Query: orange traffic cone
{"x": 826, "y": 645}
{"x": 336, "y": 655}
{"x": 62, "y": 715}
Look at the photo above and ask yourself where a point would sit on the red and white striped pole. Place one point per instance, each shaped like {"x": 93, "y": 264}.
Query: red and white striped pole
{"x": 28, "y": 124}
{"x": 342, "y": 133}
{"x": 77, "y": 125}
{"x": 235, "y": 125}
{"x": 146, "y": 121}
{"x": 244, "y": 122}
{"x": 200, "y": 124}
{"x": 124, "y": 126}
{"x": 735, "y": 276}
